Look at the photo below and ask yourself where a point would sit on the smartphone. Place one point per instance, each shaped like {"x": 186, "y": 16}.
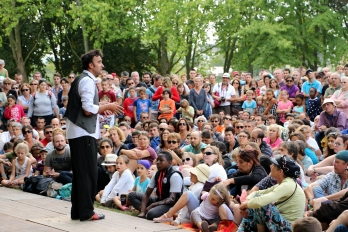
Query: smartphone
{"x": 123, "y": 198}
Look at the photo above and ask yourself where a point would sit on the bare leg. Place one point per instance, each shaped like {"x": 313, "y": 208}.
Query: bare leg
{"x": 99, "y": 195}
{"x": 261, "y": 228}
{"x": 117, "y": 202}
{"x": 342, "y": 219}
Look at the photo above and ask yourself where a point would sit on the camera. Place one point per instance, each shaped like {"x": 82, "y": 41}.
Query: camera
{"x": 223, "y": 99}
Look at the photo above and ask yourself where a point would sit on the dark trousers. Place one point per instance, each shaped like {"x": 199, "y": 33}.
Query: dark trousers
{"x": 103, "y": 179}
{"x": 64, "y": 177}
{"x": 135, "y": 199}
{"x": 84, "y": 184}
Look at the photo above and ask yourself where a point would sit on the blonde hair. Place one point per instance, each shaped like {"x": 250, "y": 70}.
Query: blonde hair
{"x": 193, "y": 157}
{"x": 250, "y": 92}
{"x": 184, "y": 103}
{"x": 167, "y": 83}
{"x": 221, "y": 192}
{"x": 275, "y": 126}
{"x": 119, "y": 132}
{"x": 124, "y": 157}
{"x": 22, "y": 146}
{"x": 216, "y": 151}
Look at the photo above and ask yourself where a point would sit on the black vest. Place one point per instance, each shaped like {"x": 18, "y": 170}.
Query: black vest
{"x": 166, "y": 184}
{"x": 74, "y": 111}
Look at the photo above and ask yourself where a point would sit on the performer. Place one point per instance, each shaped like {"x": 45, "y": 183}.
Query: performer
{"x": 82, "y": 131}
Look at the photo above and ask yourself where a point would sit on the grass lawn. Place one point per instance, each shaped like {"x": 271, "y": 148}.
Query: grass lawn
{"x": 98, "y": 205}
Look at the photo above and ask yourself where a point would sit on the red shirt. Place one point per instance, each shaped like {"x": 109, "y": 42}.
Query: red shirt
{"x": 16, "y": 112}
{"x": 129, "y": 108}
{"x": 44, "y": 142}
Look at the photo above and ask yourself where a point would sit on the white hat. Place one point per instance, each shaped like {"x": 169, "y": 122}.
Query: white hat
{"x": 328, "y": 100}
{"x": 226, "y": 75}
{"x": 110, "y": 159}
{"x": 202, "y": 171}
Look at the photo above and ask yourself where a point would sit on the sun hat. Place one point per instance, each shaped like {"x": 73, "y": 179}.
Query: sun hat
{"x": 288, "y": 165}
{"x": 328, "y": 100}
{"x": 145, "y": 163}
{"x": 226, "y": 75}
{"x": 110, "y": 159}
{"x": 202, "y": 171}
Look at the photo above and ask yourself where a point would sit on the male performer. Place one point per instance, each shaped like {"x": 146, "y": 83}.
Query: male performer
{"x": 82, "y": 131}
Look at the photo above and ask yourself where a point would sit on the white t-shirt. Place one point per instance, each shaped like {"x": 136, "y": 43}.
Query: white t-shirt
{"x": 227, "y": 94}
{"x": 312, "y": 143}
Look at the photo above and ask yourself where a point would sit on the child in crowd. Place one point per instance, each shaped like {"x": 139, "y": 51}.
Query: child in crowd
{"x": 167, "y": 105}
{"x": 21, "y": 167}
{"x": 140, "y": 183}
{"x": 41, "y": 164}
{"x": 208, "y": 211}
{"x": 110, "y": 166}
{"x": 284, "y": 106}
{"x": 300, "y": 105}
{"x": 314, "y": 104}
{"x": 63, "y": 109}
{"x": 106, "y": 95}
{"x": 142, "y": 104}
{"x": 152, "y": 171}
{"x": 121, "y": 182}
{"x": 13, "y": 111}
{"x": 260, "y": 109}
{"x": 270, "y": 103}
{"x": 186, "y": 110}
{"x": 340, "y": 69}
{"x": 249, "y": 104}
{"x": 128, "y": 104}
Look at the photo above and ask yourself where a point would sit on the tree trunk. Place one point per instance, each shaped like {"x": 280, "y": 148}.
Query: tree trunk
{"x": 16, "y": 47}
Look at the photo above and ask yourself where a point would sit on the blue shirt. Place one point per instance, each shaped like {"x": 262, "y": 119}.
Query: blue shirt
{"x": 155, "y": 142}
{"x": 310, "y": 153}
{"x": 142, "y": 106}
{"x": 154, "y": 104}
{"x": 306, "y": 87}
{"x": 140, "y": 187}
{"x": 249, "y": 106}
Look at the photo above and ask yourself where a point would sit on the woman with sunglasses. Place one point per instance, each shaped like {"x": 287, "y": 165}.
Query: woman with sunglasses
{"x": 183, "y": 128}
{"x": 243, "y": 139}
{"x": 275, "y": 208}
{"x": 199, "y": 121}
{"x": 6, "y": 88}
{"x": 34, "y": 84}
{"x": 173, "y": 148}
{"x": 15, "y": 87}
{"x": 27, "y": 132}
{"x": 105, "y": 147}
{"x": 64, "y": 92}
{"x": 25, "y": 98}
{"x": 236, "y": 103}
{"x": 144, "y": 151}
{"x": 291, "y": 88}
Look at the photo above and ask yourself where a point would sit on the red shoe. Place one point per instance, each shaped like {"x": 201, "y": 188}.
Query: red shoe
{"x": 97, "y": 217}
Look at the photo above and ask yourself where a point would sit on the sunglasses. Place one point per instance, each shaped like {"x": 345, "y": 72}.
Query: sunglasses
{"x": 208, "y": 153}
{"x": 228, "y": 118}
{"x": 103, "y": 147}
{"x": 175, "y": 83}
{"x": 48, "y": 132}
{"x": 214, "y": 121}
{"x": 172, "y": 141}
{"x": 200, "y": 121}
{"x": 239, "y": 127}
{"x": 187, "y": 159}
{"x": 27, "y": 132}
{"x": 145, "y": 117}
{"x": 33, "y": 84}
{"x": 182, "y": 124}
{"x": 25, "y": 90}
{"x": 288, "y": 80}
{"x": 70, "y": 77}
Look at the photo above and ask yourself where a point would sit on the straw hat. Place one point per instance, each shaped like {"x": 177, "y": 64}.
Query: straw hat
{"x": 110, "y": 159}
{"x": 202, "y": 171}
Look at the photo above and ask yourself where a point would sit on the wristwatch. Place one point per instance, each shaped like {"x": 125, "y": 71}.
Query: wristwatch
{"x": 310, "y": 199}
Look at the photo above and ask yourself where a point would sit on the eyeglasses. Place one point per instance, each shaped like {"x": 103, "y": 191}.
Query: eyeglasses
{"x": 33, "y": 84}
{"x": 288, "y": 80}
{"x": 103, "y": 147}
{"x": 24, "y": 90}
{"x": 71, "y": 77}
{"x": 182, "y": 124}
{"x": 338, "y": 144}
{"x": 208, "y": 153}
{"x": 48, "y": 132}
{"x": 214, "y": 121}
{"x": 239, "y": 127}
{"x": 27, "y": 132}
{"x": 172, "y": 141}
{"x": 187, "y": 159}
{"x": 200, "y": 121}
{"x": 230, "y": 119}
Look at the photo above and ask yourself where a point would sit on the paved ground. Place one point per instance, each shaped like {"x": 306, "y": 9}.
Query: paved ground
{"x": 20, "y": 211}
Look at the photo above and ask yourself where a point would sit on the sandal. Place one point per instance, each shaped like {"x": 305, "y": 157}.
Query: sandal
{"x": 205, "y": 226}
{"x": 97, "y": 217}
{"x": 163, "y": 218}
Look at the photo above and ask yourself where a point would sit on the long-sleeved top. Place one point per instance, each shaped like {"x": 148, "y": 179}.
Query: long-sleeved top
{"x": 159, "y": 91}
{"x": 341, "y": 95}
{"x": 338, "y": 120}
{"x": 198, "y": 100}
{"x": 42, "y": 104}
{"x": 291, "y": 209}
{"x": 248, "y": 180}
{"x": 118, "y": 185}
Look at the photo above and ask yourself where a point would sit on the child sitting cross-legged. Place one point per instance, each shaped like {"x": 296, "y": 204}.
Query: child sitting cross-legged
{"x": 110, "y": 166}
{"x": 140, "y": 183}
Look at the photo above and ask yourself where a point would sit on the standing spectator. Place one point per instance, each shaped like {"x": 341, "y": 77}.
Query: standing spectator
{"x": 198, "y": 98}
{"x": 340, "y": 97}
{"x": 208, "y": 88}
{"x": 57, "y": 86}
{"x": 136, "y": 78}
{"x": 107, "y": 95}
{"x": 43, "y": 105}
{"x": 284, "y": 106}
{"x": 236, "y": 104}
{"x": 71, "y": 78}
{"x": 279, "y": 76}
{"x": 167, "y": 84}
{"x": 314, "y": 104}
{"x": 275, "y": 87}
{"x": 312, "y": 82}
{"x": 3, "y": 71}
{"x": 167, "y": 105}
{"x": 224, "y": 93}
{"x": 25, "y": 98}
{"x": 157, "y": 82}
{"x": 6, "y": 88}
{"x": 335, "y": 84}
{"x": 128, "y": 104}
{"x": 147, "y": 79}
{"x": 34, "y": 86}
{"x": 249, "y": 105}
{"x": 64, "y": 92}
{"x": 141, "y": 105}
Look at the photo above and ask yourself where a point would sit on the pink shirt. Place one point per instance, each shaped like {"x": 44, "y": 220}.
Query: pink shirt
{"x": 16, "y": 112}
{"x": 283, "y": 106}
{"x": 275, "y": 144}
{"x": 341, "y": 95}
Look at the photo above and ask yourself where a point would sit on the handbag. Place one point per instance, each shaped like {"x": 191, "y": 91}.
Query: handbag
{"x": 216, "y": 102}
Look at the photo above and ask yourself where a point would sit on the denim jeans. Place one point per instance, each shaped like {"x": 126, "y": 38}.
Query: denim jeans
{"x": 341, "y": 228}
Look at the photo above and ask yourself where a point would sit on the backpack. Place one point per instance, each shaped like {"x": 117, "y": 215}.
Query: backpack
{"x": 36, "y": 184}
{"x": 65, "y": 191}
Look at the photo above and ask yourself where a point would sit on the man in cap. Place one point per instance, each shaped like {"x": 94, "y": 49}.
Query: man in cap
{"x": 226, "y": 94}
{"x": 334, "y": 183}
{"x": 312, "y": 82}
{"x": 330, "y": 117}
